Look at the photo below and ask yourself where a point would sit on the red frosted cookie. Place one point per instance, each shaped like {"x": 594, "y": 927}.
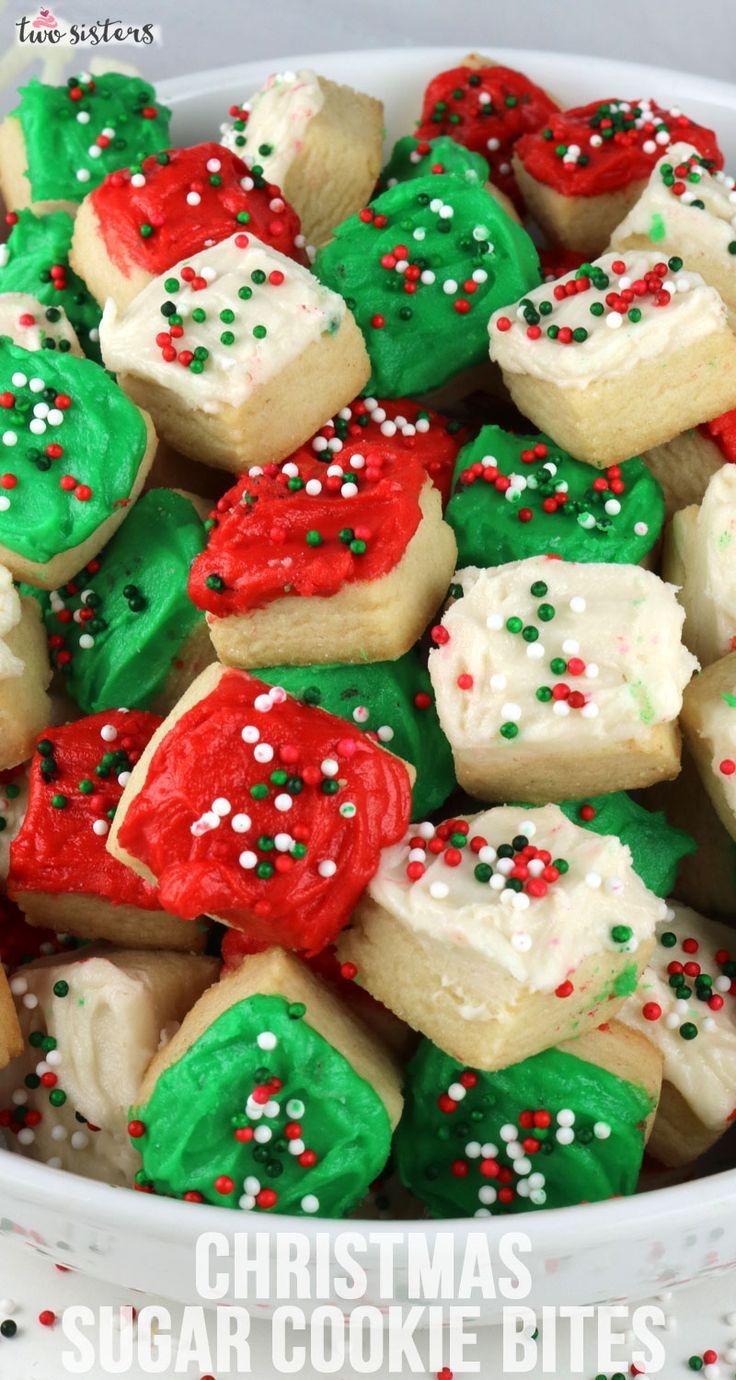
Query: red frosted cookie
{"x": 487, "y": 108}
{"x": 268, "y": 814}
{"x": 401, "y": 426}
{"x": 61, "y": 874}
{"x": 144, "y": 219}
{"x": 580, "y": 174}
{"x": 363, "y": 535}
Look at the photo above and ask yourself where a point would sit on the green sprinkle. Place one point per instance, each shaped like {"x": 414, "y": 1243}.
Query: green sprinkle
{"x": 314, "y": 538}
{"x": 509, "y": 730}
{"x": 58, "y": 801}
{"x": 621, "y": 934}
{"x": 546, "y": 612}
{"x": 544, "y": 693}
{"x": 514, "y": 625}
{"x": 61, "y": 988}
{"x": 259, "y": 332}
{"x": 538, "y": 589}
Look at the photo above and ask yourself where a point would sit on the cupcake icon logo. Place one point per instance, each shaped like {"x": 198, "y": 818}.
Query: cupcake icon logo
{"x": 45, "y": 20}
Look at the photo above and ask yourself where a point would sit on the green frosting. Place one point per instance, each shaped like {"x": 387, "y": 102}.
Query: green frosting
{"x": 595, "y": 1155}
{"x": 36, "y": 244}
{"x": 141, "y": 610}
{"x": 380, "y": 697}
{"x": 61, "y": 124}
{"x": 102, "y": 438}
{"x": 494, "y": 525}
{"x": 452, "y": 233}
{"x": 656, "y": 847}
{"x": 407, "y": 162}
{"x": 201, "y": 1101}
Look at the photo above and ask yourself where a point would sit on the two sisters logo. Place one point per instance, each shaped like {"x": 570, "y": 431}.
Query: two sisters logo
{"x": 44, "y": 27}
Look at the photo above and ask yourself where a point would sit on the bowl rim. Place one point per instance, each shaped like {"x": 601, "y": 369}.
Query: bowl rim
{"x": 552, "y": 1230}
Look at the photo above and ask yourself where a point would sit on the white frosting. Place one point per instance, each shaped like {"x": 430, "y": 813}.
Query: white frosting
{"x": 717, "y": 732}
{"x": 705, "y": 541}
{"x": 107, "y": 1030}
{"x": 674, "y": 224}
{"x": 702, "y": 1069}
{"x": 16, "y": 305}
{"x": 10, "y": 612}
{"x": 614, "y": 345}
{"x": 12, "y": 811}
{"x": 295, "y": 313}
{"x": 278, "y": 117}
{"x": 621, "y": 622}
{"x": 539, "y": 941}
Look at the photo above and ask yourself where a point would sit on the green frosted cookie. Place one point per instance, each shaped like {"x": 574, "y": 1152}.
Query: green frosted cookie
{"x": 392, "y": 700}
{"x": 656, "y": 847}
{"x": 519, "y": 496}
{"x": 223, "y": 1120}
{"x": 120, "y": 626}
{"x": 412, "y": 158}
{"x": 422, "y": 269}
{"x": 77, "y": 133}
{"x": 35, "y": 259}
{"x": 549, "y": 1132}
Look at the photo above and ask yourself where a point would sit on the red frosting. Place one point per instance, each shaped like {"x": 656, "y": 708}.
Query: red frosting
{"x": 626, "y": 155}
{"x": 174, "y": 228}
{"x": 267, "y": 814}
{"x": 57, "y": 849}
{"x": 434, "y": 439}
{"x": 556, "y": 262}
{"x": 486, "y": 109}
{"x": 722, "y": 430}
{"x": 273, "y": 537}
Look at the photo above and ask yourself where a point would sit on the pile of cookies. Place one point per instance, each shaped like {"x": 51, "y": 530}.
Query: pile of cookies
{"x": 366, "y": 551}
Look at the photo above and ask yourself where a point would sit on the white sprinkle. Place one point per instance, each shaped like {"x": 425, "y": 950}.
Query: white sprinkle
{"x": 250, "y": 734}
{"x": 248, "y": 859}
{"x": 108, "y": 733}
{"x": 100, "y": 827}
{"x": 240, "y": 823}
{"x": 221, "y": 806}
{"x": 263, "y": 752}
{"x": 310, "y": 1203}
{"x": 439, "y": 890}
{"x": 267, "y": 1040}
{"x": 328, "y": 868}
{"x": 283, "y": 802}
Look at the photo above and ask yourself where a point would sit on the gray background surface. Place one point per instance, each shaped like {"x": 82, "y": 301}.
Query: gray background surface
{"x": 694, "y": 35}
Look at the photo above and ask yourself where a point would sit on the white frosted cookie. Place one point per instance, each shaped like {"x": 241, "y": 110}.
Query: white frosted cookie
{"x": 556, "y": 679}
{"x": 239, "y": 351}
{"x": 320, "y": 143}
{"x": 700, "y": 556}
{"x": 689, "y": 210}
{"x": 693, "y": 1025}
{"x": 24, "y": 673}
{"x": 501, "y": 934}
{"x": 709, "y": 724}
{"x": 91, "y": 1025}
{"x": 34, "y": 326}
{"x": 586, "y": 357}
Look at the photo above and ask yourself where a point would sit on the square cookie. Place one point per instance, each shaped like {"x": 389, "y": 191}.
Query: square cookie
{"x": 699, "y": 557}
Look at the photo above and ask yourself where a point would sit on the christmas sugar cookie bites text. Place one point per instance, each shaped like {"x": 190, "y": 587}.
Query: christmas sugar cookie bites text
{"x": 143, "y": 219}
{"x": 555, "y": 679}
{"x": 263, "y": 812}
{"x": 271, "y": 1097}
{"x": 618, "y": 355}
{"x": 319, "y": 141}
{"x": 501, "y": 934}
{"x": 61, "y": 874}
{"x": 90, "y": 1027}
{"x": 239, "y": 354}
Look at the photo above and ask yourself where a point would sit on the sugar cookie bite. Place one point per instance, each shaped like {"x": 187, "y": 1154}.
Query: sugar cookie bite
{"x": 585, "y": 358}
{"x": 709, "y": 724}
{"x": 685, "y": 1006}
{"x": 567, "y": 1126}
{"x": 24, "y": 674}
{"x": 272, "y": 1097}
{"x": 581, "y": 172}
{"x": 124, "y": 630}
{"x": 687, "y": 208}
{"x": 239, "y": 353}
{"x": 422, "y": 267}
{"x": 75, "y": 454}
{"x": 61, "y": 141}
{"x": 263, "y": 812}
{"x": 91, "y": 1022}
{"x": 319, "y": 141}
{"x": 500, "y": 934}
{"x": 699, "y": 558}
{"x": 35, "y": 260}
{"x": 517, "y": 496}
{"x": 61, "y": 874}
{"x": 486, "y": 108}
{"x": 308, "y": 562}
{"x": 145, "y": 218}
{"x": 555, "y": 678}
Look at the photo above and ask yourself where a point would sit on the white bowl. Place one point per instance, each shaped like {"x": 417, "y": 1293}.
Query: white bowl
{"x": 619, "y": 1250}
